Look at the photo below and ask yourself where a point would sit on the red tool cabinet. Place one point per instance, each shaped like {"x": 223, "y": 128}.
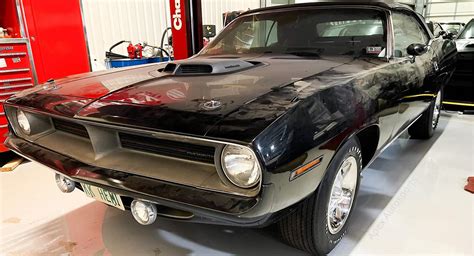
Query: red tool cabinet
{"x": 15, "y": 75}
{"x": 46, "y": 40}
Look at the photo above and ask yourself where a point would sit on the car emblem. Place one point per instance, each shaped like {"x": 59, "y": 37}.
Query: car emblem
{"x": 211, "y": 105}
{"x": 50, "y": 85}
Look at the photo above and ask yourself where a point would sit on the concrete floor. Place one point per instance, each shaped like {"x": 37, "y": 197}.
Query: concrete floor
{"x": 411, "y": 201}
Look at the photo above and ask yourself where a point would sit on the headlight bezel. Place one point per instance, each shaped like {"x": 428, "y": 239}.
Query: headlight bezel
{"x": 21, "y": 117}
{"x": 39, "y": 124}
{"x": 227, "y": 177}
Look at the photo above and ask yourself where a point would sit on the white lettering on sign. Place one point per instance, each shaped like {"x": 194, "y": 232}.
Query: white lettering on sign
{"x": 177, "y": 22}
{"x": 6, "y": 48}
{"x": 3, "y": 63}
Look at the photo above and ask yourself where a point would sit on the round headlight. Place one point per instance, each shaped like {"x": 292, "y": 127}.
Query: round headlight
{"x": 240, "y": 166}
{"x": 23, "y": 122}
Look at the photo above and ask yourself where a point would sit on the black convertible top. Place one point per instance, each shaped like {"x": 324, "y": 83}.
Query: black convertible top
{"x": 389, "y": 4}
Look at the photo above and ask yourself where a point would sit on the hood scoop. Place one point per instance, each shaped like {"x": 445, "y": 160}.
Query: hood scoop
{"x": 206, "y": 67}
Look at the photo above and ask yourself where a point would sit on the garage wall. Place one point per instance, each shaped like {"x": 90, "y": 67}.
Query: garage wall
{"x": 446, "y": 10}
{"x": 109, "y": 21}
{"x": 212, "y": 9}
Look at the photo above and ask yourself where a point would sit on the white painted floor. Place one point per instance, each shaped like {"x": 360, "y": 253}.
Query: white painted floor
{"x": 411, "y": 202}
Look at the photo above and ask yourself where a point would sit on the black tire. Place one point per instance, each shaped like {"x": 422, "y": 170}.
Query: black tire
{"x": 307, "y": 227}
{"x": 425, "y": 126}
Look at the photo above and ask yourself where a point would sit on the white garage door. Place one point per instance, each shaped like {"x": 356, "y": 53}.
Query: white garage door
{"x": 445, "y": 10}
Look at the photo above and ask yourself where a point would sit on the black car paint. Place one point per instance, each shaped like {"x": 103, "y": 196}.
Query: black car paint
{"x": 459, "y": 93}
{"x": 291, "y": 110}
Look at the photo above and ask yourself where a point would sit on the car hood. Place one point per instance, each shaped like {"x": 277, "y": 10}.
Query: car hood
{"x": 465, "y": 45}
{"x": 159, "y": 98}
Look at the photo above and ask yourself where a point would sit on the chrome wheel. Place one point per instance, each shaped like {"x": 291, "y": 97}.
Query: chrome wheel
{"x": 342, "y": 194}
{"x": 436, "y": 110}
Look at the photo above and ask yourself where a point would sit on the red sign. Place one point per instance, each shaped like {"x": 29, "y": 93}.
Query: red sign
{"x": 186, "y": 25}
{"x": 180, "y": 31}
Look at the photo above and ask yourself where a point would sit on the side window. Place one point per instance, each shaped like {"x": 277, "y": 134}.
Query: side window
{"x": 264, "y": 33}
{"x": 272, "y": 36}
{"x": 251, "y": 34}
{"x": 437, "y": 30}
{"x": 407, "y": 30}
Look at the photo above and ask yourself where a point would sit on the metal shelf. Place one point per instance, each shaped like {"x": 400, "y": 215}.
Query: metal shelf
{"x": 13, "y": 40}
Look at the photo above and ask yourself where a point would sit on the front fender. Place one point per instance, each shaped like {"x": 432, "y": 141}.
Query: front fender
{"x": 315, "y": 128}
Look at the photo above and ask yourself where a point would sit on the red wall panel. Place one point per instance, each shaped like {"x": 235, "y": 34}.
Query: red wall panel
{"x": 56, "y": 34}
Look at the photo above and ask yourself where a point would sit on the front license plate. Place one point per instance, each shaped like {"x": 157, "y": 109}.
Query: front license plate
{"x": 103, "y": 196}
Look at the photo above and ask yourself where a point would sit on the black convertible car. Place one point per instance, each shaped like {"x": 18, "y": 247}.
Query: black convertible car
{"x": 272, "y": 122}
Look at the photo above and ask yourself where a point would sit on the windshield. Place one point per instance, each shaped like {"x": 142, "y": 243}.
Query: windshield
{"x": 468, "y": 31}
{"x": 309, "y": 33}
{"x": 451, "y": 27}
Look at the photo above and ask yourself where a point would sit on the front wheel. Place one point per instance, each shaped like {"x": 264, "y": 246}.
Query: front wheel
{"x": 320, "y": 221}
{"x": 425, "y": 126}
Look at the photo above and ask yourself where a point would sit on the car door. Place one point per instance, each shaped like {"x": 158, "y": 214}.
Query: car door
{"x": 416, "y": 73}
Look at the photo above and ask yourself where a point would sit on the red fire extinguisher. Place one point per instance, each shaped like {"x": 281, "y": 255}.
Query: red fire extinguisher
{"x": 135, "y": 51}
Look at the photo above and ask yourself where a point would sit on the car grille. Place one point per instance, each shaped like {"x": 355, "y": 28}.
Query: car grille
{"x": 97, "y": 148}
{"x": 168, "y": 147}
{"x": 147, "y": 144}
{"x": 70, "y": 127}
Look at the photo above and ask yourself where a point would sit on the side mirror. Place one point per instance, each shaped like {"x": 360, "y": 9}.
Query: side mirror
{"x": 449, "y": 36}
{"x": 417, "y": 49}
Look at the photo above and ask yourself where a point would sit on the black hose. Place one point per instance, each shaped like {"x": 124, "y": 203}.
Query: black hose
{"x": 167, "y": 53}
{"x": 116, "y": 44}
{"x": 161, "y": 52}
{"x": 113, "y": 55}
{"x": 161, "y": 45}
